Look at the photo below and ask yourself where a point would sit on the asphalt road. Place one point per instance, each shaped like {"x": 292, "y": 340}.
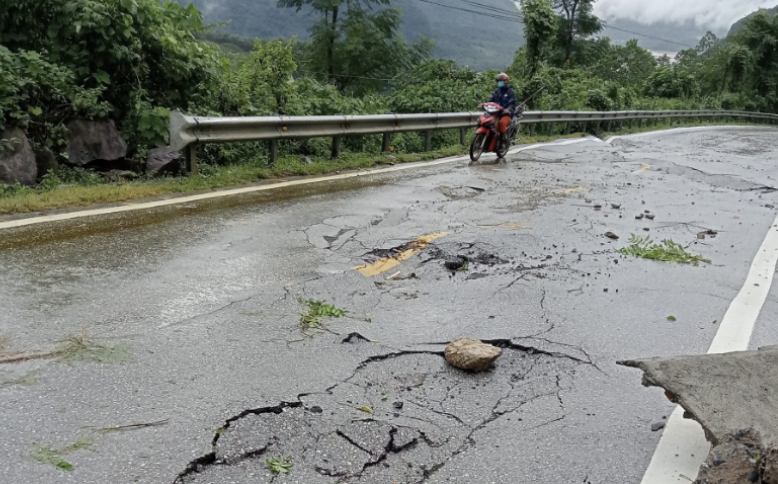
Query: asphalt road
{"x": 198, "y": 308}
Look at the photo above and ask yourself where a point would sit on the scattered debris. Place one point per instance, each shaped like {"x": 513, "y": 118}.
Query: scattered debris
{"x": 366, "y": 409}
{"x": 471, "y": 354}
{"x": 597, "y": 208}
{"x": 75, "y": 348}
{"x": 46, "y": 455}
{"x": 667, "y": 251}
{"x": 616, "y": 205}
{"x": 317, "y": 310}
{"x": 394, "y": 276}
{"x": 701, "y": 235}
{"x": 671, "y": 318}
{"x": 478, "y": 189}
{"x": 134, "y": 426}
{"x": 456, "y": 264}
{"x": 658, "y": 425}
{"x": 650, "y": 216}
{"x": 639, "y": 216}
{"x": 279, "y": 466}
{"x": 611, "y": 235}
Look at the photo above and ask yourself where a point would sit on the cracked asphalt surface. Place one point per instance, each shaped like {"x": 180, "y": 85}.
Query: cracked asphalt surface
{"x": 207, "y": 298}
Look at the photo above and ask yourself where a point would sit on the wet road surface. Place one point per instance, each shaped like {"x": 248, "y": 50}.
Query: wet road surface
{"x": 202, "y": 306}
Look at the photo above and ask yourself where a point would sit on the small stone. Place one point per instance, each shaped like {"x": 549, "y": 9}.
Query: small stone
{"x": 753, "y": 477}
{"x": 616, "y": 205}
{"x": 471, "y": 354}
{"x": 398, "y": 405}
{"x": 650, "y": 216}
{"x": 316, "y": 409}
{"x": 647, "y": 211}
{"x": 646, "y": 229}
{"x": 701, "y": 235}
{"x": 639, "y": 216}
{"x": 611, "y": 235}
{"x": 307, "y": 160}
{"x": 598, "y": 207}
{"x": 769, "y": 205}
{"x": 455, "y": 264}
{"x": 656, "y": 426}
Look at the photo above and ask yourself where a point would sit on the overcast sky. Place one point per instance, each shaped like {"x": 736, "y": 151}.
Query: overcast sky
{"x": 714, "y": 14}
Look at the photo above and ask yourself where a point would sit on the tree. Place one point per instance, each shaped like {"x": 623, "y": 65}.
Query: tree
{"x": 328, "y": 30}
{"x": 540, "y": 23}
{"x": 760, "y": 38}
{"x": 577, "y": 22}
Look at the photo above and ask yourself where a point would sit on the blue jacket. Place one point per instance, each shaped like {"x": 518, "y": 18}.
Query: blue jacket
{"x": 505, "y": 97}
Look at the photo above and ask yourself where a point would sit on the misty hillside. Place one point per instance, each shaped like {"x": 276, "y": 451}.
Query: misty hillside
{"x": 738, "y": 26}
{"x": 479, "y": 41}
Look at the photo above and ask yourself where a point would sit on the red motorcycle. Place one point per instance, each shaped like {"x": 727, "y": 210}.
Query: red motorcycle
{"x": 487, "y": 138}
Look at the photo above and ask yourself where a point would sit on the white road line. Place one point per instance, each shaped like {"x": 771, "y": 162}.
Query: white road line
{"x": 611, "y": 139}
{"x": 130, "y": 207}
{"x": 683, "y": 448}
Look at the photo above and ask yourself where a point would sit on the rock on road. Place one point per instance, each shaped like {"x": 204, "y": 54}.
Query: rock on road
{"x": 207, "y": 298}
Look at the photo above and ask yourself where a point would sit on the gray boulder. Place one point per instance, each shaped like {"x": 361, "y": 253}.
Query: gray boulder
{"x": 94, "y": 142}
{"x": 45, "y": 161}
{"x": 162, "y": 161}
{"x": 18, "y": 165}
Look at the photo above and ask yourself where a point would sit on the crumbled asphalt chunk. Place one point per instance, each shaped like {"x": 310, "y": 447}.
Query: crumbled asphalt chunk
{"x": 355, "y": 338}
{"x": 616, "y": 205}
{"x": 455, "y": 264}
{"x": 316, "y": 409}
{"x": 639, "y": 216}
{"x": 650, "y": 216}
{"x": 398, "y": 405}
{"x": 658, "y": 425}
{"x": 611, "y": 235}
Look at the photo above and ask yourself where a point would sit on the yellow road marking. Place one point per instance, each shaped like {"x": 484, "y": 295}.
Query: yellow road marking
{"x": 387, "y": 263}
{"x": 642, "y": 168}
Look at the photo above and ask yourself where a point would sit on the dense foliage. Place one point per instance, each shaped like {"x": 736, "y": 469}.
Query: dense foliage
{"x": 136, "y": 60}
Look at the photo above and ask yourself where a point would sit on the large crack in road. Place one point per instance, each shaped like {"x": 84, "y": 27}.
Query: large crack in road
{"x": 399, "y": 418}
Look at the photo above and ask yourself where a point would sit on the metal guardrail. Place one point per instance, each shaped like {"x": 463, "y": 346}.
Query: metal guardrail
{"x": 188, "y": 131}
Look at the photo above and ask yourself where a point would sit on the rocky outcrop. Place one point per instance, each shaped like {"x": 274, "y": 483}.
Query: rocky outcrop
{"x": 471, "y": 354}
{"x": 162, "y": 161}
{"x": 95, "y": 143}
{"x": 17, "y": 165}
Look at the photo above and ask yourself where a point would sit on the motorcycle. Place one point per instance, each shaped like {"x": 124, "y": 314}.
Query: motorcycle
{"x": 487, "y": 139}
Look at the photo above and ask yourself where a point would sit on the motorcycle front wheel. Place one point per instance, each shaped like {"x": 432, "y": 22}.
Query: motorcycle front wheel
{"x": 477, "y": 147}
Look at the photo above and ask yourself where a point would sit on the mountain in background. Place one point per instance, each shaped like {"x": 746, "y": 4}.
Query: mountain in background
{"x": 738, "y": 26}
{"x": 478, "y": 40}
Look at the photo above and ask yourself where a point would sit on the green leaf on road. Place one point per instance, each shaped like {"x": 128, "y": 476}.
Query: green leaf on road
{"x": 671, "y": 318}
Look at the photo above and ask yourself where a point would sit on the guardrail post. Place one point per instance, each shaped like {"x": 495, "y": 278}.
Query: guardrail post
{"x": 335, "y": 147}
{"x": 273, "y": 152}
{"x": 463, "y": 136}
{"x": 532, "y": 130}
{"x": 385, "y": 142}
{"x": 585, "y": 125}
{"x": 550, "y": 129}
{"x": 567, "y": 129}
{"x": 610, "y": 124}
{"x": 428, "y": 140}
{"x": 191, "y": 159}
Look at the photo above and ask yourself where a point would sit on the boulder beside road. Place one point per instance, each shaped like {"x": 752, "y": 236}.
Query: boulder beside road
{"x": 17, "y": 165}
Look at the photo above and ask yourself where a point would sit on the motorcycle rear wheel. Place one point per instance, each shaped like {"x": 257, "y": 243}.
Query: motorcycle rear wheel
{"x": 477, "y": 147}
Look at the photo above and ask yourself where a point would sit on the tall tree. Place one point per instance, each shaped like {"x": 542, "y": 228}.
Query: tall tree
{"x": 577, "y": 21}
{"x": 540, "y": 23}
{"x": 327, "y": 31}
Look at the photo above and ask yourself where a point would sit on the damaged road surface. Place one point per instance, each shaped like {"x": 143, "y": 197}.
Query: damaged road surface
{"x": 399, "y": 418}
{"x": 297, "y": 335}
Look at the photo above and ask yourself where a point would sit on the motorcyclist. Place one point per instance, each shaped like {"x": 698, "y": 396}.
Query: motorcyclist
{"x": 506, "y": 97}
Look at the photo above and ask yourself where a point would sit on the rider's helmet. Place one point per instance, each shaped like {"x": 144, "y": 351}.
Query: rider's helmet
{"x": 501, "y": 77}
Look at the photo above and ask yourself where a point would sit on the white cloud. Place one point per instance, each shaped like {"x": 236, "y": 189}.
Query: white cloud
{"x": 714, "y": 14}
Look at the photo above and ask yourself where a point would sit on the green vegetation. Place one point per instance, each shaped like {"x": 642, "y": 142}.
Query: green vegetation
{"x": 317, "y": 311}
{"x": 667, "y": 251}
{"x": 46, "y": 455}
{"x": 279, "y": 466}
{"x": 134, "y": 61}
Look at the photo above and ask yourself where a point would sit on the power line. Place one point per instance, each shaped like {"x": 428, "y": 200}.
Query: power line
{"x": 503, "y": 14}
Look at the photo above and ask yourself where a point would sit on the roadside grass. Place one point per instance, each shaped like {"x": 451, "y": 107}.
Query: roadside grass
{"x": 667, "y": 251}
{"x": 55, "y": 457}
{"x": 17, "y": 200}
{"x": 25, "y": 380}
